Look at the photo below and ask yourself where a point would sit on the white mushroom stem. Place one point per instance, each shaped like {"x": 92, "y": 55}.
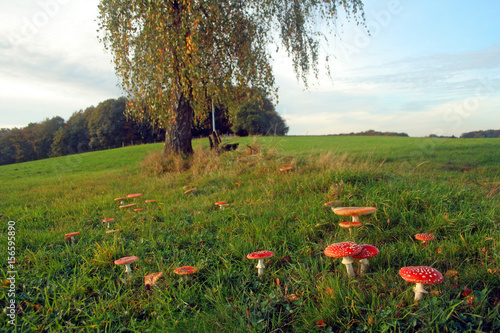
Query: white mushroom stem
{"x": 128, "y": 269}
{"x": 72, "y": 239}
{"x": 260, "y": 267}
{"x": 364, "y": 266}
{"x": 347, "y": 261}
{"x": 419, "y": 291}
{"x": 355, "y": 218}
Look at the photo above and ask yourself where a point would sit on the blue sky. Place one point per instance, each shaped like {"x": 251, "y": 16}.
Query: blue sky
{"x": 428, "y": 67}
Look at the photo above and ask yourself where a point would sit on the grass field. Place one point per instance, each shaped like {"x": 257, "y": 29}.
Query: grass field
{"x": 447, "y": 187}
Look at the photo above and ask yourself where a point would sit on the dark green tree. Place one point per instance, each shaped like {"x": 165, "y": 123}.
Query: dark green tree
{"x": 257, "y": 116}
{"x": 175, "y": 57}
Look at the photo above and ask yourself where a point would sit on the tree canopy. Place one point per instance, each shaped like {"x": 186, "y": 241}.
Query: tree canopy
{"x": 174, "y": 57}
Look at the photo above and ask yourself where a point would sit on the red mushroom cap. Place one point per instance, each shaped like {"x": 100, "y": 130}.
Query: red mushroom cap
{"x": 108, "y": 220}
{"x": 342, "y": 249}
{"x": 367, "y": 251}
{"x": 350, "y": 224}
{"x": 126, "y": 260}
{"x": 353, "y": 211}
{"x": 425, "y": 237}
{"x": 421, "y": 274}
{"x": 260, "y": 255}
{"x": 134, "y": 195}
{"x": 185, "y": 270}
{"x": 119, "y": 199}
{"x": 218, "y": 203}
{"x": 72, "y": 234}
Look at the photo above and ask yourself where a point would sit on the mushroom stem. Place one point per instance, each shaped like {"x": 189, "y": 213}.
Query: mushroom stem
{"x": 364, "y": 266}
{"x": 260, "y": 267}
{"x": 128, "y": 269}
{"x": 419, "y": 291}
{"x": 347, "y": 261}
{"x": 72, "y": 240}
{"x": 355, "y": 218}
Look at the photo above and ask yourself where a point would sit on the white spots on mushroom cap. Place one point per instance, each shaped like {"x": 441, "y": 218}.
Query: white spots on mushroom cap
{"x": 421, "y": 274}
{"x": 342, "y": 249}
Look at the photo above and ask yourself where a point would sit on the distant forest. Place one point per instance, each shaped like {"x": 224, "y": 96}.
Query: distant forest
{"x": 106, "y": 126}
{"x": 371, "y": 133}
{"x": 481, "y": 134}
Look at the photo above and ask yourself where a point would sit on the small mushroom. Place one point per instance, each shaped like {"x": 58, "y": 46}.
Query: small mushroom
{"x": 127, "y": 261}
{"x": 151, "y": 279}
{"x": 421, "y": 275}
{"x": 191, "y": 191}
{"x": 107, "y": 221}
{"x": 185, "y": 270}
{"x": 260, "y": 256}
{"x": 222, "y": 204}
{"x": 134, "y": 195}
{"x": 113, "y": 231}
{"x": 72, "y": 235}
{"x": 128, "y": 206}
{"x": 355, "y": 212}
{"x": 332, "y": 204}
{"x": 344, "y": 250}
{"x": 425, "y": 237}
{"x": 367, "y": 251}
{"x": 121, "y": 199}
{"x": 349, "y": 225}
{"x": 286, "y": 167}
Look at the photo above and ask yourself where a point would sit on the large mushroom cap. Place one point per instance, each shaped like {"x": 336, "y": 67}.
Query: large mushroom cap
{"x": 260, "y": 255}
{"x": 72, "y": 234}
{"x": 425, "y": 237}
{"x": 342, "y": 249}
{"x": 108, "y": 220}
{"x": 218, "y": 203}
{"x": 354, "y": 211}
{"x": 350, "y": 224}
{"x": 421, "y": 274}
{"x": 126, "y": 260}
{"x": 184, "y": 270}
{"x": 367, "y": 251}
{"x": 134, "y": 195}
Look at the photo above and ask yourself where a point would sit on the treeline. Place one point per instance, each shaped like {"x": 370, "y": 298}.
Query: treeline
{"x": 94, "y": 128}
{"x": 106, "y": 126}
{"x": 481, "y": 134}
{"x": 371, "y": 133}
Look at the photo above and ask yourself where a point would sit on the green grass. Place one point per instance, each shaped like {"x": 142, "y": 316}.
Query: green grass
{"x": 447, "y": 187}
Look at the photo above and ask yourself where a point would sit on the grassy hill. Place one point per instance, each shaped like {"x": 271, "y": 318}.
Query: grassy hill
{"x": 447, "y": 187}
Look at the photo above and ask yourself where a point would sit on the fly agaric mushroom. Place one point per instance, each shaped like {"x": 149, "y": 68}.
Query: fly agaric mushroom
{"x": 191, "y": 191}
{"x": 134, "y": 195}
{"x": 107, "y": 221}
{"x": 421, "y": 275}
{"x": 122, "y": 200}
{"x": 127, "y": 261}
{"x": 286, "y": 167}
{"x": 151, "y": 279}
{"x": 355, "y": 212}
{"x": 344, "y": 250}
{"x": 222, "y": 204}
{"x": 72, "y": 236}
{"x": 367, "y": 251}
{"x": 331, "y": 204}
{"x": 260, "y": 256}
{"x": 425, "y": 237}
{"x": 128, "y": 206}
{"x": 185, "y": 270}
{"x": 349, "y": 225}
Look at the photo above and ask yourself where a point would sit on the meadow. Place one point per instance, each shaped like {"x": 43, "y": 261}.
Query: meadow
{"x": 448, "y": 187}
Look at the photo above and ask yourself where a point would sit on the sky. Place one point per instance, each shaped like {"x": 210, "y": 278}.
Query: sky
{"x": 420, "y": 67}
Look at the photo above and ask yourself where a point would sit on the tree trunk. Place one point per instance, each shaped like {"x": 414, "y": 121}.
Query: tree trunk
{"x": 178, "y": 136}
